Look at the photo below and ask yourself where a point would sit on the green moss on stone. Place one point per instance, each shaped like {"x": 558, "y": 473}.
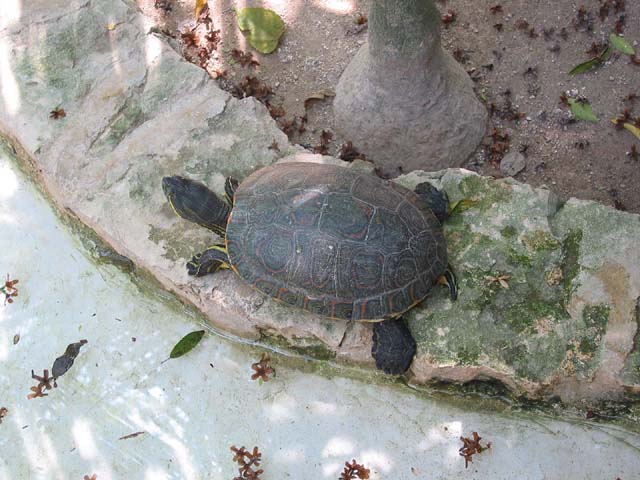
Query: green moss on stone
{"x": 570, "y": 261}
{"x": 522, "y": 316}
{"x": 486, "y": 191}
{"x": 517, "y": 357}
{"x": 631, "y": 371}
{"x": 589, "y": 339}
{"x": 59, "y": 56}
{"x": 509, "y": 231}
{"x": 468, "y": 355}
{"x": 518, "y": 259}
{"x": 129, "y": 118}
{"x": 304, "y": 346}
{"x": 174, "y": 244}
{"x": 540, "y": 240}
{"x": 596, "y": 316}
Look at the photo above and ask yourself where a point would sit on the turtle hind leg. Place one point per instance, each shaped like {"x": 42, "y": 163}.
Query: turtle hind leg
{"x": 393, "y": 346}
{"x": 437, "y": 200}
{"x": 193, "y": 201}
{"x": 212, "y": 259}
{"x": 230, "y": 187}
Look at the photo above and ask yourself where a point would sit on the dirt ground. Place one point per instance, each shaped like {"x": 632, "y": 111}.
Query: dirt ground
{"x": 519, "y": 54}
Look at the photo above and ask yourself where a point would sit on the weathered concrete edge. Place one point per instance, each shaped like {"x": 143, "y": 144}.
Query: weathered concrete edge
{"x": 103, "y": 249}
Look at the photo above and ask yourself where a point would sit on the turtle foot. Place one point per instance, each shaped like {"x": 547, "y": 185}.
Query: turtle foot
{"x": 194, "y": 266}
{"x": 393, "y": 346}
{"x": 212, "y": 259}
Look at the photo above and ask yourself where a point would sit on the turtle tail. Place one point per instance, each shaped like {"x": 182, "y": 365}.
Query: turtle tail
{"x": 193, "y": 201}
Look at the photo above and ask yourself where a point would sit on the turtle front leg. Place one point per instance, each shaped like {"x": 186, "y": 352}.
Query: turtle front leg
{"x": 212, "y": 259}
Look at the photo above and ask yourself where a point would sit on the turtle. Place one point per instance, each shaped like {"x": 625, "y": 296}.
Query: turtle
{"x": 331, "y": 240}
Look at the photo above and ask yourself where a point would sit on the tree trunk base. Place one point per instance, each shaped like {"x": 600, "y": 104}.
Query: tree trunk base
{"x": 409, "y": 117}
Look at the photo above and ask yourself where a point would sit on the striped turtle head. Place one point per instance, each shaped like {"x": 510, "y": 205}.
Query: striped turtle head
{"x": 193, "y": 201}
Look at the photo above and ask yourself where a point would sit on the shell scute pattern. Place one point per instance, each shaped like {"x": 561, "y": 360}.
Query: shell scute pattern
{"x": 334, "y": 241}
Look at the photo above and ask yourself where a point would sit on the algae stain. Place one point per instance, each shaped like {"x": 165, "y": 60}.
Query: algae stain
{"x": 631, "y": 371}
{"x": 518, "y": 259}
{"x": 175, "y": 246}
{"x": 509, "y": 231}
{"x": 540, "y": 240}
{"x": 583, "y": 349}
{"x": 570, "y": 261}
{"x": 467, "y": 355}
{"x": 522, "y": 317}
{"x": 131, "y": 117}
{"x": 486, "y": 191}
{"x": 302, "y": 346}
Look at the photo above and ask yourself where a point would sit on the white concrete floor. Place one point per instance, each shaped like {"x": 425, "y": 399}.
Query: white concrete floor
{"x": 195, "y": 407}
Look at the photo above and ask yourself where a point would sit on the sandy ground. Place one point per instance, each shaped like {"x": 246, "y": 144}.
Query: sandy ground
{"x": 519, "y": 56}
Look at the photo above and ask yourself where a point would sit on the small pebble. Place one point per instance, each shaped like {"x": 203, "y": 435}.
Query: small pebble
{"x": 512, "y": 164}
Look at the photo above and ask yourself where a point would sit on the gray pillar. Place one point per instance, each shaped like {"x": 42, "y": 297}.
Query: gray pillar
{"x": 402, "y": 100}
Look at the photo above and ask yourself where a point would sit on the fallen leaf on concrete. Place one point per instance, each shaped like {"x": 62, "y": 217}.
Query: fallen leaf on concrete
{"x": 471, "y": 447}
{"x": 633, "y": 129}
{"x": 591, "y": 63}
{"x": 200, "y": 6}
{"x": 265, "y": 28}
{"x": 621, "y": 44}
{"x": 63, "y": 363}
{"x": 582, "y": 110}
{"x": 186, "y": 344}
{"x": 501, "y": 279}
{"x": 57, "y": 113}
{"x": 262, "y": 369}
{"x": 131, "y": 435}
{"x": 354, "y": 470}
{"x": 244, "y": 58}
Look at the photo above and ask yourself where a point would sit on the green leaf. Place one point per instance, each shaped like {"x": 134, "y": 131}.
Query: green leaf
{"x": 621, "y": 44}
{"x": 186, "y": 344}
{"x": 582, "y": 111}
{"x": 592, "y": 63}
{"x": 462, "y": 205}
{"x": 265, "y": 28}
{"x": 633, "y": 129}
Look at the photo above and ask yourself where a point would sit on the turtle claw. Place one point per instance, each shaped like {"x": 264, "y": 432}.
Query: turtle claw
{"x": 194, "y": 267}
{"x": 209, "y": 261}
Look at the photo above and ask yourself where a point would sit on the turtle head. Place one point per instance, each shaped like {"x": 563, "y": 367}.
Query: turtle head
{"x": 193, "y": 201}
{"x": 437, "y": 200}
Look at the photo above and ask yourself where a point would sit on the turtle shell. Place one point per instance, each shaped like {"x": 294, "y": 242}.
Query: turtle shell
{"x": 334, "y": 241}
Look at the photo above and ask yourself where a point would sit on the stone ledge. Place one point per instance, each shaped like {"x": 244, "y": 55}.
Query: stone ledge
{"x": 566, "y": 327}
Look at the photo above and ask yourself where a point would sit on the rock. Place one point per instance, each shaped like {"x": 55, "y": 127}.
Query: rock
{"x": 512, "y": 164}
{"x": 566, "y": 326}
